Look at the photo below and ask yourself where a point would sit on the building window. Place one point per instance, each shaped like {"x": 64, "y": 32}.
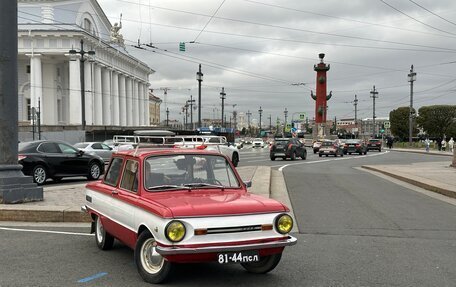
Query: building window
{"x": 29, "y": 110}
{"x": 28, "y": 69}
{"x": 87, "y": 25}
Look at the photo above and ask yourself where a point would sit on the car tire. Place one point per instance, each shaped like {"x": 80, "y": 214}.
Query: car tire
{"x": 104, "y": 240}
{"x": 152, "y": 267}
{"x": 319, "y": 155}
{"x": 284, "y": 158}
{"x": 272, "y": 158}
{"x": 94, "y": 171}
{"x": 39, "y": 174}
{"x": 365, "y": 152}
{"x": 235, "y": 159}
{"x": 304, "y": 156}
{"x": 349, "y": 153}
{"x": 266, "y": 264}
{"x": 342, "y": 155}
{"x": 380, "y": 150}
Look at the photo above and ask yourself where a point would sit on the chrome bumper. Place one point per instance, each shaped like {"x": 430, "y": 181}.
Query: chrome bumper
{"x": 227, "y": 248}
{"x": 84, "y": 208}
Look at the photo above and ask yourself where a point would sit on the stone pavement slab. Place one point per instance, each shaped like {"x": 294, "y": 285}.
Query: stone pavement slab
{"x": 434, "y": 176}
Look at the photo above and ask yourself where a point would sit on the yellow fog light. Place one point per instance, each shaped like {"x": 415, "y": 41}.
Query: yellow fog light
{"x": 284, "y": 223}
{"x": 175, "y": 231}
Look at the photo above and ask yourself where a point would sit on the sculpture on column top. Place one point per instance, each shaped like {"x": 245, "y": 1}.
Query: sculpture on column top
{"x": 116, "y": 37}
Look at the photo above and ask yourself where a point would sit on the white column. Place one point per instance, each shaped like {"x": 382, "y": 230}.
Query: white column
{"x": 75, "y": 93}
{"x": 88, "y": 93}
{"x": 115, "y": 99}
{"x": 146, "y": 105}
{"x": 36, "y": 82}
{"x": 122, "y": 101}
{"x": 141, "y": 103}
{"x": 98, "y": 102}
{"x": 106, "y": 87}
{"x": 129, "y": 88}
{"x": 135, "y": 103}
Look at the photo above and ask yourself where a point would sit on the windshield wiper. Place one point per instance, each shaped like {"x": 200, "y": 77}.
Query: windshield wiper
{"x": 166, "y": 186}
{"x": 202, "y": 184}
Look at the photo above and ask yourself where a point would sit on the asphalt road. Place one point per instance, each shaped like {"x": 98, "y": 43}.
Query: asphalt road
{"x": 356, "y": 229}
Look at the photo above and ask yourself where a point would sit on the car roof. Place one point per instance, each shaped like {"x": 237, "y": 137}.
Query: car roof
{"x": 145, "y": 152}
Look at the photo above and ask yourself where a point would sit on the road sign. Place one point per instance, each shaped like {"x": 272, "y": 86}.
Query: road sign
{"x": 288, "y": 128}
{"x": 382, "y": 131}
{"x": 302, "y": 116}
{"x": 182, "y": 46}
{"x": 387, "y": 125}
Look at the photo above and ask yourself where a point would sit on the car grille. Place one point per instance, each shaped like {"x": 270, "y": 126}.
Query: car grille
{"x": 249, "y": 228}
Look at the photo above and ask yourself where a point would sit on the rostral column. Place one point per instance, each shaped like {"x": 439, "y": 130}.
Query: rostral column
{"x": 320, "y": 129}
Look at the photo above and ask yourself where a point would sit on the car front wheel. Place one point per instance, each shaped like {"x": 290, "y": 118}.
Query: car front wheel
{"x": 266, "y": 264}
{"x": 94, "y": 171}
{"x": 152, "y": 267}
{"x": 272, "y": 157}
{"x": 39, "y": 174}
{"x": 104, "y": 240}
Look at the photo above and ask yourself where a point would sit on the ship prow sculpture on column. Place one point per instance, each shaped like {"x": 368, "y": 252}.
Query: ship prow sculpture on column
{"x": 320, "y": 129}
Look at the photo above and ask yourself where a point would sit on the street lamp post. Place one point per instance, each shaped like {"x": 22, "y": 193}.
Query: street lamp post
{"x": 167, "y": 117}
{"x": 82, "y": 76}
{"x": 248, "y": 120}
{"x": 260, "y": 111}
{"x": 199, "y": 78}
{"x": 411, "y": 79}
{"x": 285, "y": 112}
{"x": 223, "y": 97}
{"x": 190, "y": 102}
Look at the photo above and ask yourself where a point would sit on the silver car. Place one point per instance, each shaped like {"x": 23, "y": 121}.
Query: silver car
{"x": 97, "y": 148}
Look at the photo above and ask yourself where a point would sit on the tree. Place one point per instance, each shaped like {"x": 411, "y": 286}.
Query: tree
{"x": 437, "y": 120}
{"x": 399, "y": 119}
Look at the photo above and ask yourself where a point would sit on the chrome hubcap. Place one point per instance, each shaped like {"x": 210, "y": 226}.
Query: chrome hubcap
{"x": 100, "y": 230}
{"x": 150, "y": 259}
{"x": 40, "y": 175}
{"x": 95, "y": 171}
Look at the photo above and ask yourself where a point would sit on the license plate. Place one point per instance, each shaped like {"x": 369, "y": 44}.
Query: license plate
{"x": 326, "y": 151}
{"x": 238, "y": 257}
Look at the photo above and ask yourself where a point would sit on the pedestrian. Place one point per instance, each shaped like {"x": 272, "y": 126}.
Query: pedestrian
{"x": 439, "y": 143}
{"x": 444, "y": 144}
{"x": 427, "y": 143}
{"x": 451, "y": 145}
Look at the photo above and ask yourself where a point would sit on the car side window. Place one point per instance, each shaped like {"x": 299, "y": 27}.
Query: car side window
{"x": 105, "y": 147}
{"x": 66, "y": 149}
{"x": 214, "y": 140}
{"x": 97, "y": 146}
{"x": 49, "y": 148}
{"x": 113, "y": 174}
{"x": 130, "y": 176}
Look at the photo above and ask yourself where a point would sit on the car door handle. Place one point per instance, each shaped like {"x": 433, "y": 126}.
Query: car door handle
{"x": 114, "y": 192}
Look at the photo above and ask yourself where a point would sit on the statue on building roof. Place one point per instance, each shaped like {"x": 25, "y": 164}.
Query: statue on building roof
{"x": 116, "y": 37}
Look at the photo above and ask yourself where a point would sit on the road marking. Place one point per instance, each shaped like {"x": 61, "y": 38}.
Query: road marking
{"x": 326, "y": 160}
{"x": 93, "y": 277}
{"x": 247, "y": 161}
{"x": 45, "y": 231}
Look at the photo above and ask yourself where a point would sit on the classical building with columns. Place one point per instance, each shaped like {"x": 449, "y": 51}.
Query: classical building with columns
{"x": 116, "y": 84}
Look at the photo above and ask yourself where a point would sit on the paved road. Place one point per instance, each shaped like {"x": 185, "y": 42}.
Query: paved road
{"x": 356, "y": 229}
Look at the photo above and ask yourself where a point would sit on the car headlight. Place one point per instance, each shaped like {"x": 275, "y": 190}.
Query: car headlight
{"x": 175, "y": 231}
{"x": 284, "y": 223}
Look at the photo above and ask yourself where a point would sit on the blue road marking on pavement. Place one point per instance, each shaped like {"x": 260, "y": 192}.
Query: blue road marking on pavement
{"x": 96, "y": 276}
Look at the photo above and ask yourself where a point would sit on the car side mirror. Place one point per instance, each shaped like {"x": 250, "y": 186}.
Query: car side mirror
{"x": 80, "y": 152}
{"x": 110, "y": 148}
{"x": 248, "y": 183}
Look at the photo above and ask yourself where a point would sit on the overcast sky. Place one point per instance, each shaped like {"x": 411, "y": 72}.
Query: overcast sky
{"x": 257, "y": 50}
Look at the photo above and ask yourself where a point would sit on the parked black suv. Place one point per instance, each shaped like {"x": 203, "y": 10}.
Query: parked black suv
{"x": 56, "y": 159}
{"x": 287, "y": 148}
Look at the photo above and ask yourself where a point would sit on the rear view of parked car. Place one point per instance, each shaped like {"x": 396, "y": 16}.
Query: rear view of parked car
{"x": 54, "y": 159}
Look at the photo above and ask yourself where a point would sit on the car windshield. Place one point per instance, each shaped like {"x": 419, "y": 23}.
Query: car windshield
{"x": 188, "y": 171}
{"x": 258, "y": 140}
{"x": 374, "y": 140}
{"x": 81, "y": 145}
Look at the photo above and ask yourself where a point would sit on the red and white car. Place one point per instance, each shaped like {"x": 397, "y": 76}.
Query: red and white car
{"x": 185, "y": 205}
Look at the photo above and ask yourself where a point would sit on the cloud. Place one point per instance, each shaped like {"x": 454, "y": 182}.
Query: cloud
{"x": 264, "y": 49}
